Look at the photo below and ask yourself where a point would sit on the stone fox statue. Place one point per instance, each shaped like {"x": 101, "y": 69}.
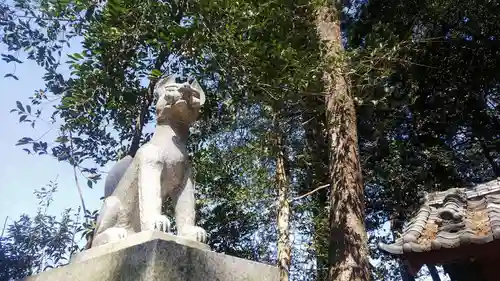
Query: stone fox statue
{"x": 136, "y": 187}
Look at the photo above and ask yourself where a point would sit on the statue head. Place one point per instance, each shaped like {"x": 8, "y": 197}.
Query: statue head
{"x": 180, "y": 102}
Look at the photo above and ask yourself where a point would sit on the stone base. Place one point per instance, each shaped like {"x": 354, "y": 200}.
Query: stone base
{"x": 135, "y": 239}
{"x": 158, "y": 256}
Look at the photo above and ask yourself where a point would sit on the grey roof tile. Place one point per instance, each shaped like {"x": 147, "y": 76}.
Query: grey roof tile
{"x": 451, "y": 218}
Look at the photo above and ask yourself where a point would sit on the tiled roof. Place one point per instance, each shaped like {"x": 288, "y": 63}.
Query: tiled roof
{"x": 449, "y": 219}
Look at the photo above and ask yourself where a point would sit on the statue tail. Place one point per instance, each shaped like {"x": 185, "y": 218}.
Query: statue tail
{"x": 115, "y": 175}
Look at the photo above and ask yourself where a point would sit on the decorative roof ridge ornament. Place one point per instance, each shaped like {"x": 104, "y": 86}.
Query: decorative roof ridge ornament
{"x": 454, "y": 204}
{"x": 478, "y": 190}
{"x": 450, "y": 219}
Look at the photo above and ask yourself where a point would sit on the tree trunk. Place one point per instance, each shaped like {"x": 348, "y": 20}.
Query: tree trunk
{"x": 317, "y": 176}
{"x": 146, "y": 103}
{"x": 149, "y": 97}
{"x": 433, "y": 272}
{"x": 284, "y": 246}
{"x": 403, "y": 270}
{"x": 141, "y": 121}
{"x": 348, "y": 249}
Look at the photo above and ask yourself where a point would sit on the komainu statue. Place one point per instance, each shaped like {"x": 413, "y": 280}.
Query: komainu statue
{"x": 136, "y": 187}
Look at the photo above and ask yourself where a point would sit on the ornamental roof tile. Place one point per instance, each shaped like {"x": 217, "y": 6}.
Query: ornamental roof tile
{"x": 452, "y": 218}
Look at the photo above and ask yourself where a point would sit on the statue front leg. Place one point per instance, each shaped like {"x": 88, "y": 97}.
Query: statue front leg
{"x": 108, "y": 228}
{"x": 150, "y": 197}
{"x": 185, "y": 214}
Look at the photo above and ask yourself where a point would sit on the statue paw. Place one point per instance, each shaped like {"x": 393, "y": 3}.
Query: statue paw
{"x": 112, "y": 234}
{"x": 120, "y": 233}
{"x": 162, "y": 223}
{"x": 194, "y": 233}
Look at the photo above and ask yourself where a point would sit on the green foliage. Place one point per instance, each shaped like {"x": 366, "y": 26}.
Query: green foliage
{"x": 435, "y": 125}
{"x": 249, "y": 60}
{"x": 36, "y": 243}
{"x": 257, "y": 61}
{"x": 439, "y": 126}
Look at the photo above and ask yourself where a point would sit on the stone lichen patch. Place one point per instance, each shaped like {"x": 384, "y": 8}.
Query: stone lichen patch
{"x": 428, "y": 234}
{"x": 478, "y": 222}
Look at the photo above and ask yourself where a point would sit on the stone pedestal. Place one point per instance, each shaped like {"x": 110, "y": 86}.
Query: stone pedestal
{"x": 155, "y": 256}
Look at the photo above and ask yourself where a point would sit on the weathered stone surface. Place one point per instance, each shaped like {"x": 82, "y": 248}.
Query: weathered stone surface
{"x": 159, "y": 259}
{"x": 137, "y": 187}
{"x": 135, "y": 239}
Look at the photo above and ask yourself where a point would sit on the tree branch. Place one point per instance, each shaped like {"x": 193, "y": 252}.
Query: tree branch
{"x": 311, "y": 192}
{"x": 80, "y": 193}
{"x": 146, "y": 103}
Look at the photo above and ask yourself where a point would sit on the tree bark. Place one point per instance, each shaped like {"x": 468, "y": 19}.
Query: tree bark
{"x": 433, "y": 272}
{"x": 149, "y": 97}
{"x": 317, "y": 176}
{"x": 403, "y": 270}
{"x": 284, "y": 245}
{"x": 348, "y": 244}
{"x": 146, "y": 103}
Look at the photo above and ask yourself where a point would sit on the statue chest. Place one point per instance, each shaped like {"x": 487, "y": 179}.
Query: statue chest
{"x": 174, "y": 161}
{"x": 175, "y": 164}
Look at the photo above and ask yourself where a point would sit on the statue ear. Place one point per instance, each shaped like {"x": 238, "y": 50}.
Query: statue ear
{"x": 162, "y": 83}
{"x": 195, "y": 85}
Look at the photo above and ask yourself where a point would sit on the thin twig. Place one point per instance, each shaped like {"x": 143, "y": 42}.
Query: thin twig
{"x": 305, "y": 123}
{"x": 75, "y": 175}
{"x": 4, "y": 224}
{"x": 43, "y": 135}
{"x": 311, "y": 192}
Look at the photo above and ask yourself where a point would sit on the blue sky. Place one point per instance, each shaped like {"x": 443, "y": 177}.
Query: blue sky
{"x": 21, "y": 173}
